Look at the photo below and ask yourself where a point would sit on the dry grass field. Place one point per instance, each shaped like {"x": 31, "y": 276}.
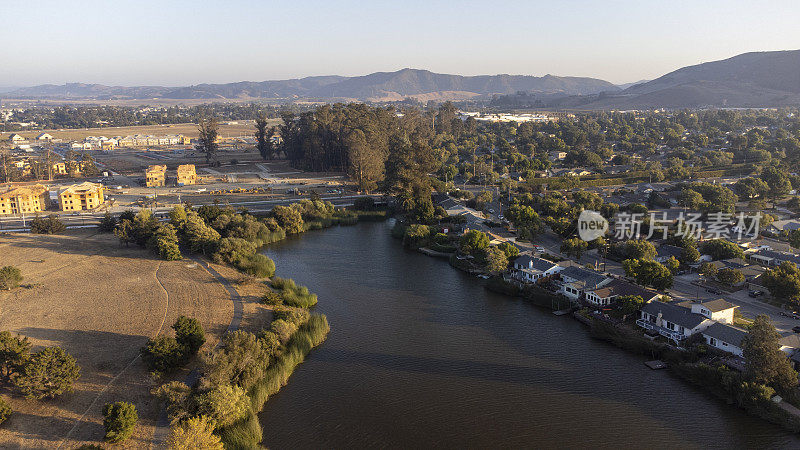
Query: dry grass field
{"x": 242, "y": 128}
{"x": 101, "y": 302}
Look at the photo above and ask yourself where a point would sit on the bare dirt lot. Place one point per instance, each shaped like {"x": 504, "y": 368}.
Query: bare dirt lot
{"x": 239, "y": 129}
{"x": 101, "y": 302}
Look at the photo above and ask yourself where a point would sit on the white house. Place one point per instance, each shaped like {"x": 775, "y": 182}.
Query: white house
{"x": 530, "y": 269}
{"x": 576, "y": 280}
{"x": 604, "y": 296}
{"x": 725, "y": 337}
{"x": 44, "y": 137}
{"x": 718, "y": 310}
{"x": 15, "y": 138}
{"x": 672, "y": 320}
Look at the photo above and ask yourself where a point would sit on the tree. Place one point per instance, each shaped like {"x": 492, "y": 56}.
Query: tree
{"x": 708, "y": 270}
{"x": 288, "y": 218}
{"x": 783, "y": 282}
{"x": 208, "y": 141}
{"x": 119, "y": 420}
{"x": 14, "y": 352}
{"x": 672, "y": 264}
{"x": 729, "y": 276}
{"x": 189, "y": 334}
{"x": 263, "y": 135}
{"x": 200, "y": 237}
{"x": 107, "y": 223}
{"x": 165, "y": 242}
{"x": 48, "y": 373}
{"x": 495, "y": 260}
{"x": 766, "y": 363}
{"x": 649, "y": 273}
{"x": 472, "y": 242}
{"x": 689, "y": 255}
{"x": 721, "y": 249}
{"x": 777, "y": 182}
{"x": 416, "y": 235}
{"x": 50, "y": 225}
{"x": 574, "y": 247}
{"x": 224, "y": 404}
{"x": 162, "y": 354}
{"x": 5, "y": 410}
{"x": 634, "y": 249}
{"x": 511, "y": 250}
{"x": 10, "y": 277}
{"x": 194, "y": 433}
{"x": 629, "y": 304}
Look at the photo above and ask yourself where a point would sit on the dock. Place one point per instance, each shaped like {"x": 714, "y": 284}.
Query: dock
{"x": 656, "y": 365}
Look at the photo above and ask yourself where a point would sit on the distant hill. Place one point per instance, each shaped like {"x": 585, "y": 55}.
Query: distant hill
{"x": 379, "y": 86}
{"x": 759, "y": 79}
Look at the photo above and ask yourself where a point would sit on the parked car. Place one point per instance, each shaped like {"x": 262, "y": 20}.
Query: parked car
{"x": 755, "y": 294}
{"x": 713, "y": 291}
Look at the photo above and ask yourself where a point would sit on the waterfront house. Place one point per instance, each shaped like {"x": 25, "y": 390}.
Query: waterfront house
{"x": 530, "y": 269}
{"x": 725, "y": 337}
{"x": 672, "y": 320}
{"x": 719, "y": 310}
{"x": 576, "y": 280}
{"x": 604, "y": 296}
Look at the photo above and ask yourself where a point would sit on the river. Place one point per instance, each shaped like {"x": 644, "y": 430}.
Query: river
{"x": 420, "y": 355}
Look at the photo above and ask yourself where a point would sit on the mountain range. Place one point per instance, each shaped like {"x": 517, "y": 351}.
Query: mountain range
{"x": 758, "y": 79}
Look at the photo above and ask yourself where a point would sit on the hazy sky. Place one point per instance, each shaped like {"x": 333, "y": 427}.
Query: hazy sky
{"x": 169, "y": 42}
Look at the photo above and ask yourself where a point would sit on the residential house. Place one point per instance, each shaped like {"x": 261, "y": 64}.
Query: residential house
{"x": 16, "y": 138}
{"x": 557, "y": 155}
{"x": 672, "y": 320}
{"x": 725, "y": 337}
{"x": 156, "y": 176}
{"x": 769, "y": 257}
{"x": 604, "y": 296}
{"x": 44, "y": 137}
{"x": 24, "y": 199}
{"x": 81, "y": 196}
{"x": 665, "y": 251}
{"x": 719, "y": 310}
{"x": 530, "y": 269}
{"x": 790, "y": 344}
{"x": 577, "y": 280}
{"x": 186, "y": 174}
{"x": 59, "y": 168}
{"x": 783, "y": 225}
{"x": 184, "y": 140}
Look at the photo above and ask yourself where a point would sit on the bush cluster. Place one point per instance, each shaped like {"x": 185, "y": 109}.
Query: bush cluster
{"x": 165, "y": 354}
{"x": 49, "y": 225}
{"x": 292, "y": 294}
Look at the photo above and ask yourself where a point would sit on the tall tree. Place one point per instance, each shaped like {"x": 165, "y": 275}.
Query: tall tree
{"x": 208, "y": 140}
{"x": 262, "y": 135}
{"x": 766, "y": 363}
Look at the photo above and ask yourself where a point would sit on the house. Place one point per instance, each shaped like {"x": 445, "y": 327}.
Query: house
{"x": 59, "y": 168}
{"x": 44, "y": 137}
{"x": 725, "y": 337}
{"x": 605, "y": 295}
{"x": 26, "y": 199}
{"x": 16, "y": 139}
{"x": 790, "y": 344}
{"x": 783, "y": 225}
{"x": 81, "y": 196}
{"x": 184, "y": 140}
{"x": 666, "y": 251}
{"x": 719, "y": 310}
{"x": 768, "y": 257}
{"x": 186, "y": 174}
{"x": 155, "y": 176}
{"x": 576, "y": 280}
{"x": 557, "y": 155}
{"x": 530, "y": 269}
{"x": 672, "y": 320}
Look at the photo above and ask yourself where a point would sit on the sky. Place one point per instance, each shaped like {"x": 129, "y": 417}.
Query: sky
{"x": 177, "y": 43}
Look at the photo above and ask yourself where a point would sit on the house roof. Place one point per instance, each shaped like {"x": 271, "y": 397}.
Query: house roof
{"x": 726, "y": 333}
{"x": 620, "y": 288}
{"x": 23, "y": 191}
{"x": 674, "y": 313}
{"x": 780, "y": 256}
{"x": 718, "y": 305}
{"x": 532, "y": 262}
{"x": 790, "y": 340}
{"x": 586, "y": 277}
{"x": 81, "y": 188}
{"x": 666, "y": 250}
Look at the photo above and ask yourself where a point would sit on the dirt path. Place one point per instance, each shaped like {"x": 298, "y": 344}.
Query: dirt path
{"x": 162, "y": 427}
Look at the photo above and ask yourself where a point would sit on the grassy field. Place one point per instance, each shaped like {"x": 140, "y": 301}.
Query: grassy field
{"x": 242, "y": 128}
{"x": 101, "y": 302}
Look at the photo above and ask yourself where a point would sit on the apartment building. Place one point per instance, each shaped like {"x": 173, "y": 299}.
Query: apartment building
{"x": 81, "y": 196}
{"x": 156, "y": 176}
{"x": 186, "y": 174}
{"x": 25, "y": 199}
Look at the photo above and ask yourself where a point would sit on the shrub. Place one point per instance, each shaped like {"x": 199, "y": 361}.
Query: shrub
{"x": 241, "y": 360}
{"x": 119, "y": 420}
{"x": 189, "y": 334}
{"x": 225, "y": 404}
{"x": 194, "y": 433}
{"x": 294, "y": 295}
{"x": 271, "y": 298}
{"x": 162, "y": 354}
{"x": 5, "y": 410}
{"x": 48, "y": 373}
{"x": 177, "y": 397}
{"x": 10, "y": 277}
{"x": 13, "y": 353}
{"x": 50, "y": 225}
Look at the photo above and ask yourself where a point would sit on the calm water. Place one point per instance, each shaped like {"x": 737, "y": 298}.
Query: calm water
{"x": 421, "y": 356}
